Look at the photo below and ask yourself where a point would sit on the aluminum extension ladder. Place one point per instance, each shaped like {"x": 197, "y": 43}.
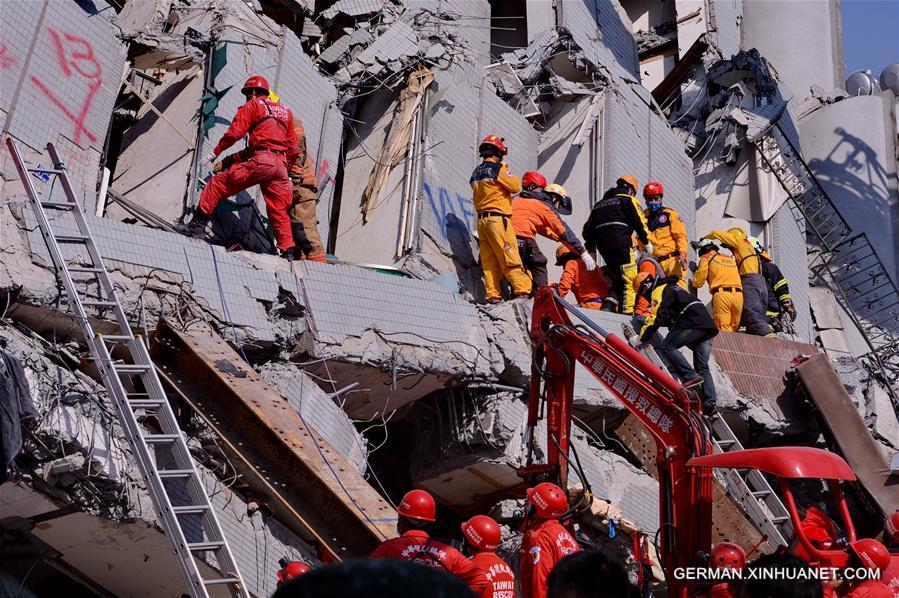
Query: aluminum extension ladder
{"x": 178, "y": 494}
{"x": 749, "y": 488}
{"x": 850, "y": 261}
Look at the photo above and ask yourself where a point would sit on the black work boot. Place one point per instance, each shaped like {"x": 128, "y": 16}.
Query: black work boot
{"x": 197, "y": 227}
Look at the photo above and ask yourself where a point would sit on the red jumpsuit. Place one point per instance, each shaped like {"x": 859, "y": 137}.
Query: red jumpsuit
{"x": 544, "y": 544}
{"x": 820, "y": 530}
{"x": 870, "y": 588}
{"x": 890, "y": 575}
{"x": 499, "y": 574}
{"x": 274, "y": 145}
{"x": 417, "y": 547}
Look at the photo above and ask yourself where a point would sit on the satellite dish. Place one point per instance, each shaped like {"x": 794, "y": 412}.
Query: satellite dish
{"x": 889, "y": 78}
{"x": 862, "y": 83}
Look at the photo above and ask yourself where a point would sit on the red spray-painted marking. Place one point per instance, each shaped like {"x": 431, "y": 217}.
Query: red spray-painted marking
{"x": 82, "y": 115}
{"x": 7, "y": 60}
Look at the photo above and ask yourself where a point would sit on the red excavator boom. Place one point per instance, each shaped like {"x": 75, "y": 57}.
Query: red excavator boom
{"x": 669, "y": 411}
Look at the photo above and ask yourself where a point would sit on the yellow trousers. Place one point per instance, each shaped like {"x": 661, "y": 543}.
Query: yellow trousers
{"x": 629, "y": 273}
{"x": 672, "y": 267}
{"x": 727, "y": 306}
{"x": 499, "y": 257}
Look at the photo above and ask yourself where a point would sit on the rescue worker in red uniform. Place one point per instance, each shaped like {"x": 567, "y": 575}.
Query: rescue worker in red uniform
{"x": 590, "y": 287}
{"x": 725, "y": 555}
{"x": 867, "y": 554}
{"x": 891, "y": 541}
{"x": 819, "y": 528}
{"x": 271, "y": 148}
{"x": 482, "y": 537}
{"x": 545, "y": 541}
{"x": 291, "y": 570}
{"x": 536, "y": 212}
{"x": 416, "y": 512}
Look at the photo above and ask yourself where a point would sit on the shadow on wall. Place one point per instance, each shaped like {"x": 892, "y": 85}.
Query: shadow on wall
{"x": 854, "y": 177}
{"x": 468, "y": 269}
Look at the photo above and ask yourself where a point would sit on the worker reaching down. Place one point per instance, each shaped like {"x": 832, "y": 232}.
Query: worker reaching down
{"x": 649, "y": 265}
{"x": 536, "y": 212}
{"x": 689, "y": 325}
{"x": 721, "y": 272}
{"x": 590, "y": 287}
{"x": 492, "y": 187}
{"x": 271, "y": 149}
{"x": 417, "y": 511}
{"x": 779, "y": 310}
{"x": 545, "y": 541}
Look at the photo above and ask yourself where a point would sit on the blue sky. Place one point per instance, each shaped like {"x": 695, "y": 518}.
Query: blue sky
{"x": 870, "y": 34}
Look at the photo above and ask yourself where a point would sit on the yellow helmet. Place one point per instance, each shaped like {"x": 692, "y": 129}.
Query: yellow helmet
{"x": 557, "y": 189}
{"x": 563, "y": 253}
{"x": 737, "y": 229}
{"x": 630, "y": 180}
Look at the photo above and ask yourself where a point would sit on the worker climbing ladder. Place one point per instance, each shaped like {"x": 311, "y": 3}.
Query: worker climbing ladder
{"x": 846, "y": 261}
{"x": 177, "y": 491}
{"x": 749, "y": 488}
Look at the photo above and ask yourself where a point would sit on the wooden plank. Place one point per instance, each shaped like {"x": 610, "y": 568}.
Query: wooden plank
{"x": 324, "y": 491}
{"x": 729, "y": 523}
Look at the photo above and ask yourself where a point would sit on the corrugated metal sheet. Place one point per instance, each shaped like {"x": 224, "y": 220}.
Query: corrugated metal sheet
{"x": 603, "y": 31}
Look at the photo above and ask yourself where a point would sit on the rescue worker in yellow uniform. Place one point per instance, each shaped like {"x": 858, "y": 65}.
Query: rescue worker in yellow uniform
{"x": 721, "y": 272}
{"x": 609, "y": 229}
{"x": 667, "y": 234}
{"x": 755, "y": 290}
{"x": 492, "y": 186}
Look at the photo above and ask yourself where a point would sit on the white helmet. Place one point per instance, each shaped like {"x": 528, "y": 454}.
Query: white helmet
{"x": 756, "y": 244}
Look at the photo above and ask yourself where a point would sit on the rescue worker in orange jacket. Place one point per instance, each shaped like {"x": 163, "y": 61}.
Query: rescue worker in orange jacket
{"x": 545, "y": 541}
{"x": 303, "y": 212}
{"x": 416, "y": 512}
{"x": 867, "y": 554}
{"x": 482, "y": 537}
{"x": 646, "y": 264}
{"x": 725, "y": 555}
{"x": 271, "y": 148}
{"x": 609, "y": 229}
{"x": 536, "y": 212}
{"x": 724, "y": 282}
{"x": 667, "y": 234}
{"x": 492, "y": 186}
{"x": 755, "y": 290}
{"x": 590, "y": 287}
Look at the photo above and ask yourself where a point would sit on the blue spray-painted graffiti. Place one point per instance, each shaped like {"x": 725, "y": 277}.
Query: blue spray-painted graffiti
{"x": 455, "y": 216}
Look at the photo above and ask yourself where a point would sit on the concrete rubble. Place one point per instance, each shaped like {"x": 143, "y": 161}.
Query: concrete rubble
{"x": 387, "y": 352}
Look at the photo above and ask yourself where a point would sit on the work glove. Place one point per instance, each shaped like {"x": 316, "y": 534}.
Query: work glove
{"x": 219, "y": 166}
{"x": 589, "y": 262}
{"x": 683, "y": 263}
{"x": 649, "y": 248}
{"x": 635, "y": 342}
{"x": 209, "y": 159}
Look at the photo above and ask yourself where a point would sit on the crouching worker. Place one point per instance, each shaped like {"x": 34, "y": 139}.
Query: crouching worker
{"x": 589, "y": 286}
{"x": 689, "y": 325}
{"x": 417, "y": 511}
{"x": 724, "y": 281}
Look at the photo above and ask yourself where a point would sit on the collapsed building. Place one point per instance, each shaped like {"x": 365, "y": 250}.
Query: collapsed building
{"x": 311, "y": 396}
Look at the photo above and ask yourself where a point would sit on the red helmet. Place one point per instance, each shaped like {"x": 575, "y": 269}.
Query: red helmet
{"x": 293, "y": 570}
{"x": 255, "y": 82}
{"x": 418, "y": 504}
{"x": 727, "y": 555}
{"x": 549, "y": 500}
{"x": 892, "y": 527}
{"x": 497, "y": 142}
{"x": 532, "y": 177}
{"x": 482, "y": 532}
{"x": 653, "y": 189}
{"x": 871, "y": 553}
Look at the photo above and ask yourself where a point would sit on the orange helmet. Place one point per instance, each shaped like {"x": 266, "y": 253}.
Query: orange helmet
{"x": 563, "y": 253}
{"x": 892, "y": 527}
{"x": 419, "y": 505}
{"x": 630, "y": 180}
{"x": 255, "y": 83}
{"x": 494, "y": 141}
{"x": 641, "y": 278}
{"x": 292, "y": 570}
{"x": 727, "y": 555}
{"x": 532, "y": 177}
{"x": 548, "y": 499}
{"x": 482, "y": 532}
{"x": 871, "y": 553}
{"x": 653, "y": 189}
